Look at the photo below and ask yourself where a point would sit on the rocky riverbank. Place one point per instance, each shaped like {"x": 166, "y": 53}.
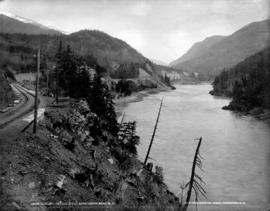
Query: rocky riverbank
{"x": 63, "y": 163}
{"x": 259, "y": 112}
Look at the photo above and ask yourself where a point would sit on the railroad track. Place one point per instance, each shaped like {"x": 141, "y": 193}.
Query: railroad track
{"x": 22, "y": 109}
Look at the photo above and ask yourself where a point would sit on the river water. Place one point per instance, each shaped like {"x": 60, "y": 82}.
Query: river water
{"x": 235, "y": 148}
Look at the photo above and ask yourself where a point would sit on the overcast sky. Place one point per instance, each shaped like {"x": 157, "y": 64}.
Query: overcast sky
{"x": 159, "y": 29}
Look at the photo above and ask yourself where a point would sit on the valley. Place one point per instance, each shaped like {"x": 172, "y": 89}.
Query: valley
{"x": 200, "y": 123}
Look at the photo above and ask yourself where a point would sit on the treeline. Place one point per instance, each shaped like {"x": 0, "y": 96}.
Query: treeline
{"x": 166, "y": 80}
{"x": 126, "y": 71}
{"x": 70, "y": 74}
{"x": 17, "y": 49}
{"x": 248, "y": 83}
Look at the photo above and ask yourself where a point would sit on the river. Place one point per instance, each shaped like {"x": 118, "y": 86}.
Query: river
{"x": 235, "y": 148}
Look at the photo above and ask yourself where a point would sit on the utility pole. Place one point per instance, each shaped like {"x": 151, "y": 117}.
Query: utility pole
{"x": 36, "y": 95}
{"x": 47, "y": 74}
{"x": 153, "y": 135}
{"x": 59, "y": 57}
{"x": 57, "y": 85}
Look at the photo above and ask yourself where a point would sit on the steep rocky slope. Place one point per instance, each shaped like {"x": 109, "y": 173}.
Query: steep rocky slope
{"x": 64, "y": 163}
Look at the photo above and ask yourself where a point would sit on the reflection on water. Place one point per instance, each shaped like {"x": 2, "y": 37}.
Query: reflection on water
{"x": 236, "y": 149}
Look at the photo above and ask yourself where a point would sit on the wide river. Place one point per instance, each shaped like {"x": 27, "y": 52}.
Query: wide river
{"x": 235, "y": 148}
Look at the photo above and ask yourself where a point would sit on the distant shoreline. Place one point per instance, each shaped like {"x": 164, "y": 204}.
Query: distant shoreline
{"x": 256, "y": 112}
{"x": 122, "y": 102}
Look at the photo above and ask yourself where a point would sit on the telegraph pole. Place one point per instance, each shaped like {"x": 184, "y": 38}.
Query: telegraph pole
{"x": 47, "y": 74}
{"x": 57, "y": 85}
{"x": 36, "y": 95}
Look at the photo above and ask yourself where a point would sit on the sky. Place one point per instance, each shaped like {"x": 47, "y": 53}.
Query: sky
{"x": 161, "y": 30}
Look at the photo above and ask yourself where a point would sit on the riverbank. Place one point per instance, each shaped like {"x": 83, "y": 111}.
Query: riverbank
{"x": 261, "y": 114}
{"x": 258, "y": 113}
{"x": 122, "y": 102}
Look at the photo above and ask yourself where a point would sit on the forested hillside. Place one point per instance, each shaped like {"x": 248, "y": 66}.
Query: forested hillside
{"x": 248, "y": 83}
{"x": 116, "y": 57}
{"x": 197, "y": 49}
{"x": 17, "y": 49}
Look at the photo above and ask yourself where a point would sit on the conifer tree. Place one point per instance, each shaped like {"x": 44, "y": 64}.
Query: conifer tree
{"x": 128, "y": 138}
{"x": 101, "y": 102}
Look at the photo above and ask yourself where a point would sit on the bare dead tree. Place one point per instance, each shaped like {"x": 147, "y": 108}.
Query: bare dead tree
{"x": 123, "y": 117}
{"x": 153, "y": 135}
{"x": 195, "y": 181}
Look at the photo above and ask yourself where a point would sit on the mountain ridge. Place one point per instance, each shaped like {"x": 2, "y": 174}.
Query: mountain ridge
{"x": 206, "y": 43}
{"x": 229, "y": 51}
{"x": 16, "y": 24}
{"x": 113, "y": 54}
{"x": 247, "y": 83}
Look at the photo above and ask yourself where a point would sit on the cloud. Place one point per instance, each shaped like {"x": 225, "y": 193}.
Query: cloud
{"x": 217, "y": 27}
{"x": 161, "y": 29}
{"x": 259, "y": 2}
{"x": 180, "y": 41}
{"x": 220, "y": 7}
{"x": 132, "y": 37}
{"x": 140, "y": 9}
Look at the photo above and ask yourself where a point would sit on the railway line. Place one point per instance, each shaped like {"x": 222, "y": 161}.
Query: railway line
{"x": 24, "y": 107}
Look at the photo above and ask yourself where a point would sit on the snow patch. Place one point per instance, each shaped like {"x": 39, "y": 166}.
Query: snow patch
{"x": 40, "y": 115}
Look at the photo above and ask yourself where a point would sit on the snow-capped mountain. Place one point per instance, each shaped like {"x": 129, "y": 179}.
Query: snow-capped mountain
{"x": 10, "y": 23}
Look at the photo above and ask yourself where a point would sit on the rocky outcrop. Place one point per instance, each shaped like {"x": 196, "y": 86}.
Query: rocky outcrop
{"x": 6, "y": 93}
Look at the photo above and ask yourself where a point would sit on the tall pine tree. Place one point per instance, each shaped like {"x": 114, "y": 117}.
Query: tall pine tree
{"x": 101, "y": 102}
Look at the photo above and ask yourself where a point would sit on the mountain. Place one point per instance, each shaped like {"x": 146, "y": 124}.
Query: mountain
{"x": 20, "y": 37}
{"x": 15, "y": 24}
{"x": 248, "y": 83}
{"x": 109, "y": 51}
{"x": 225, "y": 52}
{"x": 116, "y": 56}
{"x": 197, "y": 49}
